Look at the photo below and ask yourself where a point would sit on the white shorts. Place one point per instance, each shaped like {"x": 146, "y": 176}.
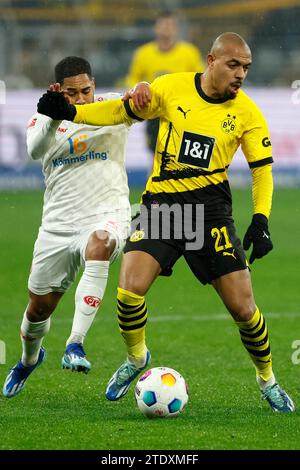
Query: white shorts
{"x": 58, "y": 256}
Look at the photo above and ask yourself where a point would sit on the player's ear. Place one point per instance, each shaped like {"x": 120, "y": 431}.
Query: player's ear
{"x": 210, "y": 59}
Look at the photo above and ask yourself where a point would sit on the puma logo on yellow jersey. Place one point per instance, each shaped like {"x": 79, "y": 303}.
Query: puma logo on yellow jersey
{"x": 183, "y": 112}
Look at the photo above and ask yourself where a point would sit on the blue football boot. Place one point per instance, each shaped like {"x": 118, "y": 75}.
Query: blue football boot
{"x": 16, "y": 379}
{"x": 75, "y": 359}
{"x": 122, "y": 378}
{"x": 278, "y": 399}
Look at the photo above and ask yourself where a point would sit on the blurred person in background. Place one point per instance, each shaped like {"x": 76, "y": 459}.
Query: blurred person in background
{"x": 25, "y": 70}
{"x": 85, "y": 222}
{"x": 165, "y": 54}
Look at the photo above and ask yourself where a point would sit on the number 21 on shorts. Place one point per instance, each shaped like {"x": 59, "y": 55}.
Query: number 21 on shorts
{"x": 222, "y": 238}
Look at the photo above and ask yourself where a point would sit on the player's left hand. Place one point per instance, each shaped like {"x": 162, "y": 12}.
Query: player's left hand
{"x": 54, "y": 105}
{"x": 259, "y": 236}
{"x": 140, "y": 95}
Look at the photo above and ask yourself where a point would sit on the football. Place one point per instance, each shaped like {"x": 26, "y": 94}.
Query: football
{"x": 161, "y": 392}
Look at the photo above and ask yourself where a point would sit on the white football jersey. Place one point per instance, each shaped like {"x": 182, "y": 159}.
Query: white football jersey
{"x": 84, "y": 170}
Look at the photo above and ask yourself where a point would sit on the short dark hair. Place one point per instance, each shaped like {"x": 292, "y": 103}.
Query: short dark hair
{"x": 71, "y": 66}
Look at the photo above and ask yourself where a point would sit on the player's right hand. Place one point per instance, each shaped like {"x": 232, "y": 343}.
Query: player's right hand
{"x": 55, "y": 105}
{"x": 258, "y": 235}
{"x": 140, "y": 95}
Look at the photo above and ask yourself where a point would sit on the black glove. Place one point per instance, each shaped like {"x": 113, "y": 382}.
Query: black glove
{"x": 258, "y": 234}
{"x": 55, "y": 105}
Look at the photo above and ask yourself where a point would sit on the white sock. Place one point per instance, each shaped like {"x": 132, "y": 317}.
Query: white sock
{"x": 89, "y": 294}
{"x": 263, "y": 384}
{"x": 32, "y": 335}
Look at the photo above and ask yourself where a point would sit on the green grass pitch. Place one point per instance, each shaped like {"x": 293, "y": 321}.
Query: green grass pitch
{"x": 188, "y": 330}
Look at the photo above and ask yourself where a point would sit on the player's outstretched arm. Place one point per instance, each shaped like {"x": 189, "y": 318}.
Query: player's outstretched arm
{"x": 106, "y": 113}
{"x": 109, "y": 113}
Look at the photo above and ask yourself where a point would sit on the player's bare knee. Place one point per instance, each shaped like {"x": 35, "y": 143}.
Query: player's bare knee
{"x": 39, "y": 311}
{"x": 40, "y": 307}
{"x": 133, "y": 284}
{"x": 242, "y": 310}
{"x": 133, "y": 280}
{"x": 138, "y": 272}
{"x": 100, "y": 246}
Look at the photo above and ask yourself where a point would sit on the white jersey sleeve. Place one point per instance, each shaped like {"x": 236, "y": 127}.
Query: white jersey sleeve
{"x": 41, "y": 132}
{"x": 107, "y": 96}
{"x": 84, "y": 170}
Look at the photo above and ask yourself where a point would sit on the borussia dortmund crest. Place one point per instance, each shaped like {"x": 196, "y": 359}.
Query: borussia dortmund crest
{"x": 228, "y": 125}
{"x": 137, "y": 236}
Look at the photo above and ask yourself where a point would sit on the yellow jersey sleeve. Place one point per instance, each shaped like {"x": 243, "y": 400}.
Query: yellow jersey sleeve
{"x": 262, "y": 189}
{"x": 255, "y": 141}
{"x": 256, "y": 146}
{"x": 109, "y": 113}
{"x": 105, "y": 113}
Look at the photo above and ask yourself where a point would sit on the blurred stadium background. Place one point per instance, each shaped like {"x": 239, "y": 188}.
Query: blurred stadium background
{"x": 36, "y": 34}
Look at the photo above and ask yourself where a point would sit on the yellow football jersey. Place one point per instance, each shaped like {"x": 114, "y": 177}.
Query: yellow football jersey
{"x": 149, "y": 62}
{"x": 197, "y": 140}
{"x": 199, "y": 136}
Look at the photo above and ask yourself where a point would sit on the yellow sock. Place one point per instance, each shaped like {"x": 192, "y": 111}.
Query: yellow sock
{"x": 254, "y": 336}
{"x": 132, "y": 318}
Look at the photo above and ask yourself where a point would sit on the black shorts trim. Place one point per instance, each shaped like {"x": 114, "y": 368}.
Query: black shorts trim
{"x": 165, "y": 254}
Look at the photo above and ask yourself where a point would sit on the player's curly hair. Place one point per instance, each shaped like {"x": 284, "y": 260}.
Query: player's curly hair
{"x": 71, "y": 66}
